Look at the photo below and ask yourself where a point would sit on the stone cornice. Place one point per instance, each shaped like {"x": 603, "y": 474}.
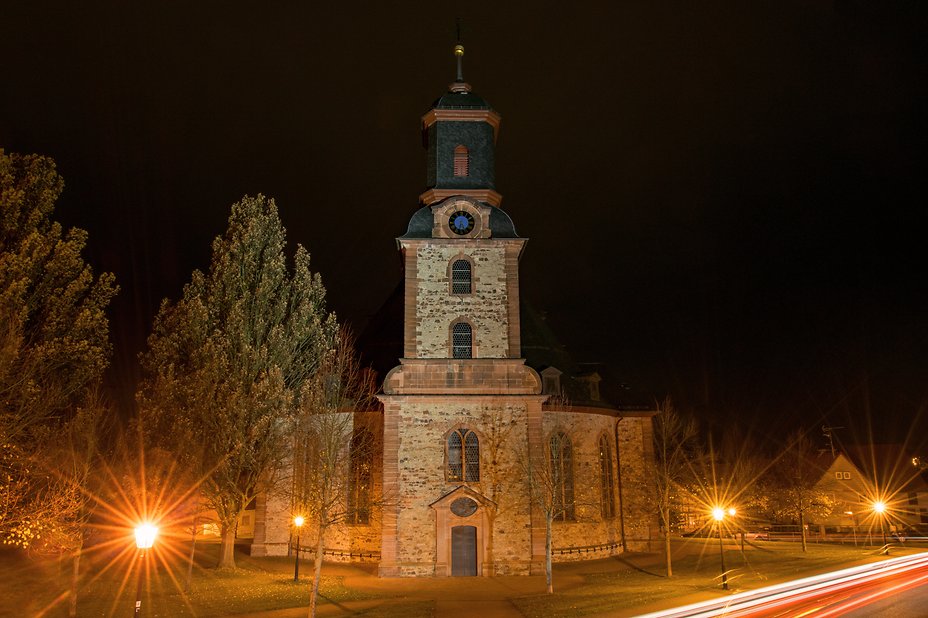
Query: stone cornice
{"x": 433, "y": 196}
{"x": 488, "y": 116}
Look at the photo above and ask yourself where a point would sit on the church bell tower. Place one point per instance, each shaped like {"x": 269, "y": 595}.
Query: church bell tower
{"x": 461, "y": 361}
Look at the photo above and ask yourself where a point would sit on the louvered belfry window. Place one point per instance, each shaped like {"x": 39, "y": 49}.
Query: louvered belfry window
{"x": 461, "y": 161}
{"x": 463, "y": 456}
{"x": 460, "y": 277}
{"x": 461, "y": 341}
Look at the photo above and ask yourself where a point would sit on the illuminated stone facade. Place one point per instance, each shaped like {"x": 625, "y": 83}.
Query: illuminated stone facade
{"x": 464, "y": 418}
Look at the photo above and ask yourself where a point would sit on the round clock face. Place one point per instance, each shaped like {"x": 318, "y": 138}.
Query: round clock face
{"x": 461, "y": 222}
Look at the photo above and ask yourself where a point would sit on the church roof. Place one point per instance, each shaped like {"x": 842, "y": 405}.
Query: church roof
{"x": 420, "y": 225}
{"x": 460, "y": 100}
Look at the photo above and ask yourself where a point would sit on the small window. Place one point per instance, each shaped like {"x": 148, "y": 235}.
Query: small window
{"x": 847, "y": 476}
{"x": 838, "y": 475}
{"x": 461, "y": 160}
{"x": 461, "y": 341}
{"x": 461, "y": 277}
{"x": 463, "y": 456}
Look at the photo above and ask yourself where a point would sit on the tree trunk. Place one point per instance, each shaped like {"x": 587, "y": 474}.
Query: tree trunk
{"x": 489, "y": 567}
{"x": 317, "y": 572}
{"x": 548, "y": 580}
{"x": 227, "y": 548}
{"x": 193, "y": 549}
{"x": 802, "y": 529}
{"x": 665, "y": 515}
{"x": 75, "y": 578}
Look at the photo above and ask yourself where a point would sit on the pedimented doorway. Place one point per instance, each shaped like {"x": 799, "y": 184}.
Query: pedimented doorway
{"x": 461, "y": 530}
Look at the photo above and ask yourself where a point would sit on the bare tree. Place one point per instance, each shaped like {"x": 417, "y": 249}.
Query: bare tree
{"x": 674, "y": 453}
{"x": 791, "y": 485}
{"x": 497, "y": 425}
{"x": 548, "y": 473}
{"x": 331, "y": 450}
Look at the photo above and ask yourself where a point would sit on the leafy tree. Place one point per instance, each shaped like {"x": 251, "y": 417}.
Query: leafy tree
{"x": 791, "y": 485}
{"x": 675, "y": 451}
{"x": 226, "y": 364}
{"x": 331, "y": 440}
{"x": 53, "y": 348}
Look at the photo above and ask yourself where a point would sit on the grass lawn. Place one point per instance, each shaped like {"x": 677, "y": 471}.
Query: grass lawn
{"x": 37, "y": 586}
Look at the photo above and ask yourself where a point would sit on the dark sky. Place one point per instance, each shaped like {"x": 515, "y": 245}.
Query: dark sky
{"x": 725, "y": 201}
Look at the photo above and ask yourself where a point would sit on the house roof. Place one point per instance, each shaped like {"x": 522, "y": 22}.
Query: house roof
{"x": 889, "y": 465}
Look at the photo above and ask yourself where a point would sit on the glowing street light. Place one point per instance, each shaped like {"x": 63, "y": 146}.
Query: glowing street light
{"x": 145, "y": 534}
{"x": 298, "y": 522}
{"x": 718, "y": 514}
{"x": 879, "y": 507}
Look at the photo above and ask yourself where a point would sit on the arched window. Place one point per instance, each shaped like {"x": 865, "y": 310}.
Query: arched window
{"x": 461, "y": 160}
{"x": 460, "y": 277}
{"x": 462, "y": 341}
{"x": 607, "y": 495}
{"x": 359, "y": 489}
{"x": 463, "y": 456}
{"x": 562, "y": 474}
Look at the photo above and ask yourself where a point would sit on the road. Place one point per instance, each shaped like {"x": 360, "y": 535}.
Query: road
{"x": 897, "y": 588}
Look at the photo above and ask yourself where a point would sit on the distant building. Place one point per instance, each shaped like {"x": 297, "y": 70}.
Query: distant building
{"x": 897, "y": 477}
{"x": 462, "y": 409}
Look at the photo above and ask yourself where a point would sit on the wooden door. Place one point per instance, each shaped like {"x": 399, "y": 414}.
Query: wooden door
{"x": 463, "y": 551}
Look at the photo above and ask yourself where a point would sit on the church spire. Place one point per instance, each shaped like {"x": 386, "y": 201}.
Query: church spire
{"x": 459, "y": 84}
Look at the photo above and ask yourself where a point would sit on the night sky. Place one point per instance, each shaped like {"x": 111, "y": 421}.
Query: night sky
{"x": 725, "y": 201}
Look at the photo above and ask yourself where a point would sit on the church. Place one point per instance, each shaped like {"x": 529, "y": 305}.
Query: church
{"x": 487, "y": 429}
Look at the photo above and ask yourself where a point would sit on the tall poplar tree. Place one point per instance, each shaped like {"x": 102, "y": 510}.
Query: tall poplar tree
{"x": 54, "y": 345}
{"x": 227, "y": 362}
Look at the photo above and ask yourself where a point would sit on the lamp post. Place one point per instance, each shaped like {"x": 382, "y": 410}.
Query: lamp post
{"x": 879, "y": 507}
{"x": 298, "y": 522}
{"x": 853, "y": 525}
{"x": 145, "y": 534}
{"x": 718, "y": 513}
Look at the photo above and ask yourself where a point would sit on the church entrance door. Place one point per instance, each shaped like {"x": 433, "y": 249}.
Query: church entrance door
{"x": 463, "y": 551}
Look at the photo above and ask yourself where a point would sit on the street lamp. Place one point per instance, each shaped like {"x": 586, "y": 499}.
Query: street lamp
{"x": 879, "y": 507}
{"x": 718, "y": 513}
{"x": 298, "y": 522}
{"x": 145, "y": 534}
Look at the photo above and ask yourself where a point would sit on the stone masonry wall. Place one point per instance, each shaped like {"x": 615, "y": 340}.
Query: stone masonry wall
{"x": 487, "y": 308}
{"x": 590, "y": 535}
{"x": 637, "y": 457}
{"x": 500, "y": 426}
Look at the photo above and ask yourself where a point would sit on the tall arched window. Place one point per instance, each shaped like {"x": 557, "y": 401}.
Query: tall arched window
{"x": 460, "y": 277}
{"x": 462, "y": 341}
{"x": 562, "y": 475}
{"x": 463, "y": 456}
{"x": 461, "y": 160}
{"x": 607, "y": 495}
{"x": 359, "y": 489}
